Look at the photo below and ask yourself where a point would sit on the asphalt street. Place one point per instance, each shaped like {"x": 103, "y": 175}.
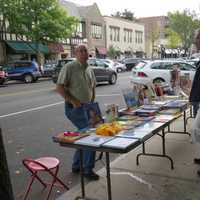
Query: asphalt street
{"x": 30, "y": 114}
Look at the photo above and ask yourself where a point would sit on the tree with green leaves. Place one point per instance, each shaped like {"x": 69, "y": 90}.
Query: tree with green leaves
{"x": 111, "y": 52}
{"x": 173, "y": 39}
{"x": 185, "y": 25}
{"x": 40, "y": 21}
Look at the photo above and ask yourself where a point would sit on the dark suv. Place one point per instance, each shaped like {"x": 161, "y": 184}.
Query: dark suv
{"x": 102, "y": 71}
{"x": 27, "y": 71}
{"x": 58, "y": 67}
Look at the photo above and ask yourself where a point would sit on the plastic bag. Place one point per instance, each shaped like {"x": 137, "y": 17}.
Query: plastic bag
{"x": 196, "y": 128}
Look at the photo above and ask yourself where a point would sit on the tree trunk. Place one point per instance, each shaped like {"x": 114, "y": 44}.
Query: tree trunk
{"x": 6, "y": 192}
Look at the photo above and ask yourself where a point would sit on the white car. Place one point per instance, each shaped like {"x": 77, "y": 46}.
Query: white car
{"x": 117, "y": 66}
{"x": 159, "y": 71}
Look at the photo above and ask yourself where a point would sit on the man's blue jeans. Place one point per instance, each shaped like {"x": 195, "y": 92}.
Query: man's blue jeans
{"x": 75, "y": 115}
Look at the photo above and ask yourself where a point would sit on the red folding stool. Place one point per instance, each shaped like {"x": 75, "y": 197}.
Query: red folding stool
{"x": 47, "y": 164}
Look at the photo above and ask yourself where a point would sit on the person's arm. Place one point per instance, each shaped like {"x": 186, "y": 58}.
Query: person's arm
{"x": 61, "y": 87}
{"x": 93, "y": 94}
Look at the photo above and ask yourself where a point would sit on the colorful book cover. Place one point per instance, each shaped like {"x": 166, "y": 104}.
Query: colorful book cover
{"x": 130, "y": 97}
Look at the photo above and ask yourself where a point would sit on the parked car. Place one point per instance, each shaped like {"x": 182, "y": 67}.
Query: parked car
{"x": 48, "y": 70}
{"x": 103, "y": 72}
{"x": 58, "y": 67}
{"x": 130, "y": 63}
{"x": 117, "y": 66}
{"x": 159, "y": 70}
{"x": 27, "y": 71}
{"x": 3, "y": 76}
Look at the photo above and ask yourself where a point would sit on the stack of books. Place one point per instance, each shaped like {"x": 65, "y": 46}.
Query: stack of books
{"x": 146, "y": 113}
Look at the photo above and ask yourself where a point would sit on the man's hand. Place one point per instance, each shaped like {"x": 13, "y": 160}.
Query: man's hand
{"x": 76, "y": 103}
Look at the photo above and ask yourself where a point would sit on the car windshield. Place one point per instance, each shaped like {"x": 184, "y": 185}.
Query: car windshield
{"x": 140, "y": 65}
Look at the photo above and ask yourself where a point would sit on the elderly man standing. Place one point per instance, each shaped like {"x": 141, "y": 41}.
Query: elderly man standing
{"x": 76, "y": 84}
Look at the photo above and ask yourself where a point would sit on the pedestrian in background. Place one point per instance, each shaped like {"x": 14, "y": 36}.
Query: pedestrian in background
{"x": 76, "y": 84}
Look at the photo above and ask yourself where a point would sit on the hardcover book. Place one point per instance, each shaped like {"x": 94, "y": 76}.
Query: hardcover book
{"x": 131, "y": 97}
{"x": 120, "y": 143}
{"x": 163, "y": 118}
{"x": 170, "y": 111}
{"x": 93, "y": 140}
{"x": 134, "y": 134}
{"x": 149, "y": 126}
{"x": 143, "y": 112}
{"x": 69, "y": 137}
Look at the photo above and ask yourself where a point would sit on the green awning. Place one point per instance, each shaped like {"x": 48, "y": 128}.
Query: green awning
{"x": 27, "y": 47}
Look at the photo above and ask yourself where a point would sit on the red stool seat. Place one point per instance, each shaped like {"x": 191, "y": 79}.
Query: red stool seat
{"x": 47, "y": 164}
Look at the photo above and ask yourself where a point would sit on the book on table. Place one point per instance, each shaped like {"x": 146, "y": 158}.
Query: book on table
{"x": 177, "y": 104}
{"x": 163, "y": 118}
{"x": 93, "y": 140}
{"x": 68, "y": 137}
{"x": 151, "y": 107}
{"x": 170, "y": 111}
{"x": 120, "y": 143}
{"x": 149, "y": 126}
{"x": 146, "y": 113}
{"x": 134, "y": 134}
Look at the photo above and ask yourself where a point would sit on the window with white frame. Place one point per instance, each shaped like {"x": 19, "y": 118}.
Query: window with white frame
{"x": 96, "y": 31}
{"x": 128, "y": 35}
{"x": 79, "y": 30}
{"x": 114, "y": 33}
{"x": 138, "y": 37}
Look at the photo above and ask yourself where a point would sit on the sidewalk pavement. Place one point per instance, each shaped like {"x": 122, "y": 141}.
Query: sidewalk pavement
{"x": 153, "y": 178}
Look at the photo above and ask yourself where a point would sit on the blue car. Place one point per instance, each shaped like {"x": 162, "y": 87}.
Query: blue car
{"x": 27, "y": 71}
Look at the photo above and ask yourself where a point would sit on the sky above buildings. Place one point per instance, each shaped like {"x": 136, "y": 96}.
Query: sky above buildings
{"x": 143, "y": 8}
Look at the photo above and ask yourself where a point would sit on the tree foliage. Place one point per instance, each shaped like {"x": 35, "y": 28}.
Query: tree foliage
{"x": 173, "y": 39}
{"x": 126, "y": 14}
{"x": 38, "y": 20}
{"x": 184, "y": 24}
{"x": 112, "y": 52}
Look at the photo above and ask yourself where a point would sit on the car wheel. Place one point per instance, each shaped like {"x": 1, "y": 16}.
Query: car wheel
{"x": 113, "y": 79}
{"x": 158, "y": 80}
{"x": 28, "y": 78}
{"x": 2, "y": 81}
{"x": 119, "y": 70}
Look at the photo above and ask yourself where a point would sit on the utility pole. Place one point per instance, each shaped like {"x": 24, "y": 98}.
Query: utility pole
{"x": 6, "y": 192}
